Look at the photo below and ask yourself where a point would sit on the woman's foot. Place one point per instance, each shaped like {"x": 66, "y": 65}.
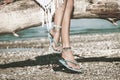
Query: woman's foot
{"x": 54, "y": 36}
{"x": 69, "y": 60}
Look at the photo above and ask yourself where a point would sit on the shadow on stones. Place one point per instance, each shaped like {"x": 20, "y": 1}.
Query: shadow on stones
{"x": 39, "y": 60}
{"x": 53, "y": 59}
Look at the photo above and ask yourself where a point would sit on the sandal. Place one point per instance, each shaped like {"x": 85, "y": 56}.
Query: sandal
{"x": 65, "y": 63}
{"x": 53, "y": 42}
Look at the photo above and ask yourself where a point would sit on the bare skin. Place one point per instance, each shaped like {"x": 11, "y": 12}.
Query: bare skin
{"x": 5, "y": 2}
{"x": 62, "y": 18}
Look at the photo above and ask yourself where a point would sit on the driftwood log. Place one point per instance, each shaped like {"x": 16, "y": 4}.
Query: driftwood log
{"x": 24, "y": 14}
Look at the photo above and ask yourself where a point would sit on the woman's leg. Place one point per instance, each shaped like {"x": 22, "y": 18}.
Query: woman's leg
{"x": 58, "y": 22}
{"x": 67, "y": 55}
{"x": 66, "y": 23}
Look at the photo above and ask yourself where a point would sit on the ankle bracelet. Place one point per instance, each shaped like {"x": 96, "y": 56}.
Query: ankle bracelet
{"x": 57, "y": 27}
{"x": 66, "y": 49}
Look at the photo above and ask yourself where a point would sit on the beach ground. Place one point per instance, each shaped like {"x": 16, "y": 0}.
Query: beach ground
{"x": 98, "y": 54}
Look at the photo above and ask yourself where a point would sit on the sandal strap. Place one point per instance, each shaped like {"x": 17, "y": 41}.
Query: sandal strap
{"x": 58, "y": 44}
{"x": 73, "y": 62}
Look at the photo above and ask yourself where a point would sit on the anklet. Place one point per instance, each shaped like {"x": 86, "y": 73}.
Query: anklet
{"x": 66, "y": 49}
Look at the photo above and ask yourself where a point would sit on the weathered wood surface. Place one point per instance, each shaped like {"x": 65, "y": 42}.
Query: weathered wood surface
{"x": 26, "y": 13}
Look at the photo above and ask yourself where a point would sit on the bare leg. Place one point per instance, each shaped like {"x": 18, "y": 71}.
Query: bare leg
{"x": 58, "y": 22}
{"x": 58, "y": 19}
{"x": 62, "y": 18}
{"x": 66, "y": 23}
{"x": 67, "y": 55}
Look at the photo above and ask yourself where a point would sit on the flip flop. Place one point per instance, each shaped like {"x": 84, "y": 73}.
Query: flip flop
{"x": 52, "y": 41}
{"x": 64, "y": 63}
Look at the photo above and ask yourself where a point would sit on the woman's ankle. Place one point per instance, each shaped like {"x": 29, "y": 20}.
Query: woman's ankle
{"x": 67, "y": 52}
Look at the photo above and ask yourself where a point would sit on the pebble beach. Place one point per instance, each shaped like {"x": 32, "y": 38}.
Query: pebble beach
{"x": 98, "y": 54}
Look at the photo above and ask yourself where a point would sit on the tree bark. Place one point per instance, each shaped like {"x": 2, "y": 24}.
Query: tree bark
{"x": 27, "y": 13}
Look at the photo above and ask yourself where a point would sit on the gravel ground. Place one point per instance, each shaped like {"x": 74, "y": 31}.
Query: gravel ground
{"x": 98, "y": 54}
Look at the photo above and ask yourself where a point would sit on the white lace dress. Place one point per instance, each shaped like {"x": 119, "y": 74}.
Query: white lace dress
{"x": 49, "y": 7}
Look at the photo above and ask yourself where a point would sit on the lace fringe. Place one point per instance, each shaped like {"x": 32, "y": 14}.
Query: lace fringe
{"x": 49, "y": 10}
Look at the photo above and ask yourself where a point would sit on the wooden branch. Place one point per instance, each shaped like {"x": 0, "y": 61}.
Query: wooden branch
{"x": 26, "y": 13}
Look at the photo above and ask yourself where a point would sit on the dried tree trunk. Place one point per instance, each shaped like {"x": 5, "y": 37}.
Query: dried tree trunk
{"x": 26, "y": 13}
